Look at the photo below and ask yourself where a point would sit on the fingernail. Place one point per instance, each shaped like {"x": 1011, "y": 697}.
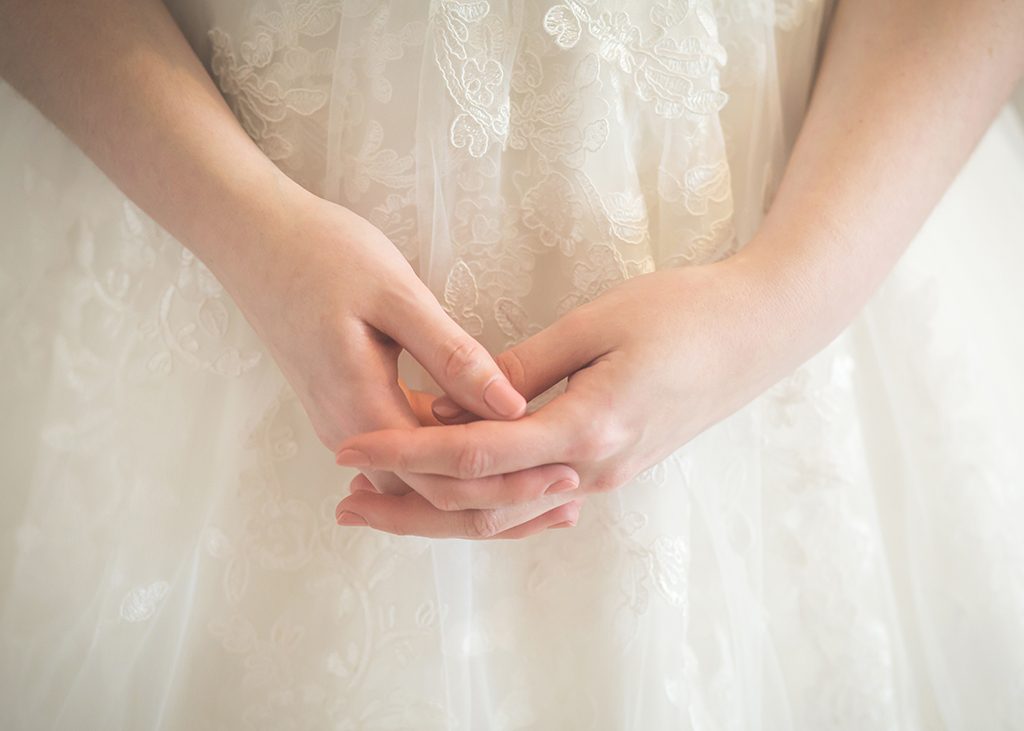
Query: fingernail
{"x": 504, "y": 399}
{"x": 561, "y": 486}
{"x": 347, "y": 518}
{"x": 352, "y": 458}
{"x": 563, "y": 524}
{"x": 447, "y": 410}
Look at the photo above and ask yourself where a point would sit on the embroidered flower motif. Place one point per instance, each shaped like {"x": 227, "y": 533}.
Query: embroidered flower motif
{"x": 563, "y": 123}
{"x": 141, "y": 602}
{"x": 514, "y": 321}
{"x": 480, "y": 81}
{"x": 627, "y": 216}
{"x": 258, "y": 51}
{"x": 553, "y": 210}
{"x": 618, "y": 36}
{"x": 467, "y": 42}
{"x": 371, "y": 162}
{"x": 396, "y": 217}
{"x": 460, "y": 298}
{"x": 678, "y": 76}
{"x": 700, "y": 186}
{"x": 271, "y": 75}
{"x": 601, "y": 268}
{"x": 670, "y": 557}
{"x": 561, "y": 22}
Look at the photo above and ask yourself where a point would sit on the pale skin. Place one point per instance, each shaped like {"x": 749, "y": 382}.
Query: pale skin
{"x": 329, "y": 294}
{"x": 335, "y": 306}
{"x": 904, "y": 94}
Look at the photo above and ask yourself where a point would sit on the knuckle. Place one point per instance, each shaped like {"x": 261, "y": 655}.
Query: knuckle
{"x": 447, "y": 501}
{"x": 400, "y": 460}
{"x": 483, "y": 523}
{"x": 398, "y": 528}
{"x": 598, "y": 439}
{"x": 461, "y": 357}
{"x": 607, "y": 481}
{"x": 472, "y": 462}
{"x": 580, "y": 450}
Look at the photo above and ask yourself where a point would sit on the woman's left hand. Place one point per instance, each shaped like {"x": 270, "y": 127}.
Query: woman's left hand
{"x": 651, "y": 363}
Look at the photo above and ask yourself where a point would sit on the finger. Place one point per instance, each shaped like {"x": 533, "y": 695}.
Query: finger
{"x": 384, "y": 405}
{"x": 419, "y": 402}
{"x": 496, "y": 491}
{"x": 378, "y": 399}
{"x": 537, "y": 363}
{"x": 557, "y": 433}
{"x": 388, "y": 482}
{"x": 460, "y": 365}
{"x": 412, "y": 514}
{"x": 446, "y": 411}
{"x": 564, "y": 516}
{"x": 360, "y": 483}
{"x": 551, "y": 519}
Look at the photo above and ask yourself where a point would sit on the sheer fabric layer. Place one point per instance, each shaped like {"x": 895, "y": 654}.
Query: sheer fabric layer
{"x": 838, "y": 554}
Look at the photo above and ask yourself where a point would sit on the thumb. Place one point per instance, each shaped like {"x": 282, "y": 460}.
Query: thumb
{"x": 460, "y": 365}
{"x": 536, "y": 364}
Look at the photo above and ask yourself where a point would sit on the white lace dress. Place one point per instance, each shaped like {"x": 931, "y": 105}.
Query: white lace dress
{"x": 842, "y": 553}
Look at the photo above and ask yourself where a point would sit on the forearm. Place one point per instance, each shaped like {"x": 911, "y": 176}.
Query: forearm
{"x": 905, "y": 91}
{"x": 119, "y": 78}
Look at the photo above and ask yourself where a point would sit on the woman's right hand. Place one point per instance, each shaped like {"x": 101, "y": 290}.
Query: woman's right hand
{"x": 335, "y": 303}
{"x": 331, "y": 297}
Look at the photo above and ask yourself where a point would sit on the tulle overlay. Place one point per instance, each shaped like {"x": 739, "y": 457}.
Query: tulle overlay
{"x": 842, "y": 553}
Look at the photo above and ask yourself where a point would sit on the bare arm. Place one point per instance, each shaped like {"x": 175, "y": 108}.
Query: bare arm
{"x": 332, "y": 298}
{"x": 906, "y": 90}
{"x": 119, "y": 78}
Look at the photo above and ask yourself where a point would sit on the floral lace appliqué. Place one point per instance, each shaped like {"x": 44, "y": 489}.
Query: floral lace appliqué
{"x": 273, "y": 74}
{"x": 468, "y": 43}
{"x": 678, "y": 75}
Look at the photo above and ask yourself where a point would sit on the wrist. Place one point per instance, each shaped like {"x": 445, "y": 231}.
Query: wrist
{"x": 240, "y": 228}
{"x": 795, "y": 303}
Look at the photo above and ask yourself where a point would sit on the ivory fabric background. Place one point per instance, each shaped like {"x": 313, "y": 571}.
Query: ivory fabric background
{"x": 842, "y": 553}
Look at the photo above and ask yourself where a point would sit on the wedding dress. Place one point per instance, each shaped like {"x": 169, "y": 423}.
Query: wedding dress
{"x": 842, "y": 553}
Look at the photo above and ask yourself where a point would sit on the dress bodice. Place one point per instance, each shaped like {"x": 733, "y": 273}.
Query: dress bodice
{"x": 524, "y": 156}
{"x": 841, "y": 553}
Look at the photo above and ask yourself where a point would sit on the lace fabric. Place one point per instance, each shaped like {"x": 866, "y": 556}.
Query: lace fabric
{"x": 583, "y": 140}
{"x": 839, "y": 554}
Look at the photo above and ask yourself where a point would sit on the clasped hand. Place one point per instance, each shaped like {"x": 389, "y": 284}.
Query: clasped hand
{"x": 651, "y": 363}
{"x": 336, "y": 303}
